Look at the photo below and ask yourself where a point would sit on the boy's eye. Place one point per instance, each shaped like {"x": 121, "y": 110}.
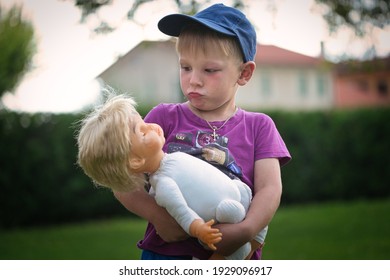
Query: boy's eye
{"x": 209, "y": 70}
{"x": 185, "y": 68}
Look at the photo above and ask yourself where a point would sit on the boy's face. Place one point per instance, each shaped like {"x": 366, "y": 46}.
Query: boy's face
{"x": 208, "y": 79}
{"x": 146, "y": 138}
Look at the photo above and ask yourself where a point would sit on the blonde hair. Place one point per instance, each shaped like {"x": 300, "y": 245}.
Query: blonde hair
{"x": 104, "y": 146}
{"x": 196, "y": 37}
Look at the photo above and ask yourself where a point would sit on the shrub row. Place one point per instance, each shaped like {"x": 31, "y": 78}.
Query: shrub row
{"x": 337, "y": 155}
{"x": 39, "y": 178}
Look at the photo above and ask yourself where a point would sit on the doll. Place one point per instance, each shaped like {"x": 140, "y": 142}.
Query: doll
{"x": 116, "y": 149}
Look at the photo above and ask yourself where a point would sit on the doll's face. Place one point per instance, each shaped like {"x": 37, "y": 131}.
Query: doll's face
{"x": 147, "y": 139}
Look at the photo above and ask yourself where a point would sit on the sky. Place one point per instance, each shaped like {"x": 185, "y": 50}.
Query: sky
{"x": 70, "y": 56}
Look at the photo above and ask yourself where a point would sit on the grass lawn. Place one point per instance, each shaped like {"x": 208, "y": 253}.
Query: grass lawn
{"x": 347, "y": 230}
{"x": 331, "y": 231}
{"x": 112, "y": 240}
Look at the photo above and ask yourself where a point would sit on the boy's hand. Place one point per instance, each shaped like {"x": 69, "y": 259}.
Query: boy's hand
{"x": 205, "y": 233}
{"x": 168, "y": 229}
{"x": 234, "y": 236}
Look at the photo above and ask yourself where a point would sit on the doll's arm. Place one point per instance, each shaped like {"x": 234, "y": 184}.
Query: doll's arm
{"x": 169, "y": 196}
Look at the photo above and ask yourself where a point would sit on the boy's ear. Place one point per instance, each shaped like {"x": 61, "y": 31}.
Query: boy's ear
{"x": 247, "y": 71}
{"x": 136, "y": 163}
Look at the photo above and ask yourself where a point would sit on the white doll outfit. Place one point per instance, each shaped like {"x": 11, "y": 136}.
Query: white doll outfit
{"x": 190, "y": 189}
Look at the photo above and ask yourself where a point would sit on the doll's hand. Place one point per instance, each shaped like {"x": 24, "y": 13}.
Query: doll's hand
{"x": 205, "y": 233}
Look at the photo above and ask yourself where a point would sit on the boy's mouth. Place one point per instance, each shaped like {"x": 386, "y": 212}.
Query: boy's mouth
{"x": 194, "y": 94}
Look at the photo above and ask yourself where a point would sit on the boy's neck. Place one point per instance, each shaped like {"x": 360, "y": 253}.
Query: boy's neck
{"x": 220, "y": 114}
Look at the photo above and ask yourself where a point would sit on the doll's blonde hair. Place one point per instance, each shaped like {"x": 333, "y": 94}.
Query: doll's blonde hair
{"x": 104, "y": 145}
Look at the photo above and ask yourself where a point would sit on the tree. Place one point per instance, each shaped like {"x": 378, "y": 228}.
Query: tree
{"x": 90, "y": 7}
{"x": 359, "y": 15}
{"x": 17, "y": 48}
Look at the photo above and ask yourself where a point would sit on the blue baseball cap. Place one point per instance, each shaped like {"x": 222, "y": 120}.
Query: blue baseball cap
{"x": 220, "y": 18}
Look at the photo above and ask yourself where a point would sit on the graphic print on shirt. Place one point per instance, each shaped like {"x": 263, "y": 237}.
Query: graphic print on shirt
{"x": 202, "y": 145}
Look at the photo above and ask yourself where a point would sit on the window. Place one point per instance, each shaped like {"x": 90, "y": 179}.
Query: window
{"x": 266, "y": 88}
{"x": 382, "y": 88}
{"x": 302, "y": 84}
{"x": 321, "y": 85}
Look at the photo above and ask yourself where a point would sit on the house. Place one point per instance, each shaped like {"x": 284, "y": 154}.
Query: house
{"x": 149, "y": 72}
{"x": 288, "y": 80}
{"x": 362, "y": 83}
{"x": 283, "y": 79}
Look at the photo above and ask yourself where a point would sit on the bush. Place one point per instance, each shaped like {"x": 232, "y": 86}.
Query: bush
{"x": 41, "y": 182}
{"x": 337, "y": 155}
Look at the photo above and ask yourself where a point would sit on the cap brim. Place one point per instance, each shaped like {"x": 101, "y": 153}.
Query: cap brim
{"x": 173, "y": 24}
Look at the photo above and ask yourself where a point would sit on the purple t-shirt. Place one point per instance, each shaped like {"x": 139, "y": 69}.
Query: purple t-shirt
{"x": 245, "y": 138}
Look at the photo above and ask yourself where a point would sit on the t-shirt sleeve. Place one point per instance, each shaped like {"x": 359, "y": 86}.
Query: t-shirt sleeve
{"x": 156, "y": 115}
{"x": 269, "y": 143}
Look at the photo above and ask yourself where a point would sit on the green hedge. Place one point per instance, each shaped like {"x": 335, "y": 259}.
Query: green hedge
{"x": 40, "y": 181}
{"x": 337, "y": 155}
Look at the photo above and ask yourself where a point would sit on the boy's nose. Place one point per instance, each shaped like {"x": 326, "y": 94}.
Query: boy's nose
{"x": 195, "y": 79}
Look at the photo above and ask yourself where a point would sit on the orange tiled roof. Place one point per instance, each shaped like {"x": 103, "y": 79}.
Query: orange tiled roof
{"x": 272, "y": 55}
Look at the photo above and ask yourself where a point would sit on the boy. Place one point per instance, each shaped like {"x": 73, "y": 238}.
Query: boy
{"x": 216, "y": 49}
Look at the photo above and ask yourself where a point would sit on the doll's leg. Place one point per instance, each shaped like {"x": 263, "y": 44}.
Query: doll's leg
{"x": 246, "y": 194}
{"x": 254, "y": 246}
{"x": 230, "y": 211}
{"x": 258, "y": 242}
{"x": 241, "y": 253}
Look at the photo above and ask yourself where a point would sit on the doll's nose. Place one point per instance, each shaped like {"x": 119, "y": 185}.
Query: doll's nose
{"x": 154, "y": 127}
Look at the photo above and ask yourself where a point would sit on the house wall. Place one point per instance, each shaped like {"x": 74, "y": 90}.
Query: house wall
{"x": 291, "y": 88}
{"x": 357, "y": 90}
{"x": 149, "y": 72}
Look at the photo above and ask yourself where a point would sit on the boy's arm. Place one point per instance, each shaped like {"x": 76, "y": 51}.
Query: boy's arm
{"x": 169, "y": 195}
{"x": 266, "y": 200}
{"x": 143, "y": 205}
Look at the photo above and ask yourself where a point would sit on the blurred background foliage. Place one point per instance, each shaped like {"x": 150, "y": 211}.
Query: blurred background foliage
{"x": 17, "y": 45}
{"x": 359, "y": 16}
{"x": 337, "y": 156}
{"x": 39, "y": 179}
